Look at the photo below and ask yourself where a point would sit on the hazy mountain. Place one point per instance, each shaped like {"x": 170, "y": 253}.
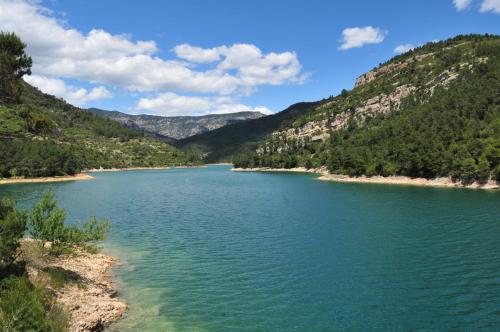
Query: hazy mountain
{"x": 176, "y": 127}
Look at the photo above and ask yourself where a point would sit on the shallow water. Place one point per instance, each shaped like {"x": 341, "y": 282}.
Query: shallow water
{"x": 212, "y": 250}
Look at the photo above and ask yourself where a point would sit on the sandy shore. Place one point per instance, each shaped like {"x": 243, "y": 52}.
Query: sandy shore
{"x": 88, "y": 296}
{"x": 401, "y": 180}
{"x": 322, "y": 171}
{"x": 96, "y": 170}
{"x": 47, "y": 179}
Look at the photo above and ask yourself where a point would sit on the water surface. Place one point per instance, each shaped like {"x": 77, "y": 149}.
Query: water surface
{"x": 212, "y": 250}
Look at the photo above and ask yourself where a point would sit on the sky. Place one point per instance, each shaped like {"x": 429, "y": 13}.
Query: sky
{"x": 197, "y": 57}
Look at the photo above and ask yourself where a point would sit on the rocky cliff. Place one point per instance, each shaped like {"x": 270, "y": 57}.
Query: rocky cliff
{"x": 176, "y": 127}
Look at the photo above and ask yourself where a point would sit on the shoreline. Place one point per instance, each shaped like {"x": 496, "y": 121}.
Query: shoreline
{"x": 324, "y": 175}
{"x": 99, "y": 170}
{"x": 88, "y": 293}
{"x": 84, "y": 175}
{"x": 62, "y": 178}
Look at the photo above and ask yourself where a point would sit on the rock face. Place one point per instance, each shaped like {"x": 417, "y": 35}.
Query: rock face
{"x": 389, "y": 68}
{"x": 381, "y": 104}
{"x": 88, "y": 294}
{"x": 177, "y": 127}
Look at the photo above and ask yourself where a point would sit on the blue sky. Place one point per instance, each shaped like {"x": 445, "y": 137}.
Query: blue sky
{"x": 235, "y": 55}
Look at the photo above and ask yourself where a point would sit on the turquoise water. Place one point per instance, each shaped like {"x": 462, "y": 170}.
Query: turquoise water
{"x": 212, "y": 250}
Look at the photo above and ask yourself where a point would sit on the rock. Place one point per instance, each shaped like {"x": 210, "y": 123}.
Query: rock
{"x": 89, "y": 297}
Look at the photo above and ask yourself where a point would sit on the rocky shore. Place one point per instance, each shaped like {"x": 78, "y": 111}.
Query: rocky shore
{"x": 81, "y": 284}
{"x": 47, "y": 179}
{"x": 401, "y": 180}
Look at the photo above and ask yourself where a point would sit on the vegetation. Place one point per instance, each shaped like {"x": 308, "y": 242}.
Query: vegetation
{"x": 41, "y": 135}
{"x": 222, "y": 144}
{"x": 12, "y": 228}
{"x": 14, "y": 64}
{"x": 47, "y": 224}
{"x": 453, "y": 131}
{"x": 26, "y": 307}
{"x": 30, "y": 307}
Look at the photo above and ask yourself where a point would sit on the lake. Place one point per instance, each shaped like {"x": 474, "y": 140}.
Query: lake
{"x": 207, "y": 249}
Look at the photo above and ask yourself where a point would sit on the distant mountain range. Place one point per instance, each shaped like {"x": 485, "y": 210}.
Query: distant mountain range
{"x": 176, "y": 127}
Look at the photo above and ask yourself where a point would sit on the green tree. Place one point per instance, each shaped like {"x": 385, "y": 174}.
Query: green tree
{"x": 14, "y": 64}
{"x": 46, "y": 219}
{"x": 12, "y": 227}
{"x": 47, "y": 223}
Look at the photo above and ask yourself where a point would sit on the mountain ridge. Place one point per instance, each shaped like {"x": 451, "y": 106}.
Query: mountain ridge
{"x": 176, "y": 127}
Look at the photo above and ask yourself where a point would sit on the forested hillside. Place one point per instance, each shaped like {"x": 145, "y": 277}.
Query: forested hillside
{"x": 41, "y": 135}
{"x": 222, "y": 144}
{"x": 431, "y": 112}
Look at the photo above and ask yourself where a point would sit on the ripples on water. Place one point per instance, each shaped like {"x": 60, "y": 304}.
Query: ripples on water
{"x": 212, "y": 250}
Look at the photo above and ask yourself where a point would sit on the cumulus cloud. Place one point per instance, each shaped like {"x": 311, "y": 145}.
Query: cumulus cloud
{"x": 171, "y": 104}
{"x": 462, "y": 4}
{"x": 220, "y": 74}
{"x": 197, "y": 54}
{"x": 403, "y": 48}
{"x": 358, "y": 37}
{"x": 73, "y": 95}
{"x": 105, "y": 58}
{"x": 490, "y": 5}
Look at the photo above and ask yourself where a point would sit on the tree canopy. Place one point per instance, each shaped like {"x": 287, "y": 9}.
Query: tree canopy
{"x": 14, "y": 64}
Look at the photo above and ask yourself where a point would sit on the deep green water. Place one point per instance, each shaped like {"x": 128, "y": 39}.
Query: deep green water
{"x": 212, "y": 250}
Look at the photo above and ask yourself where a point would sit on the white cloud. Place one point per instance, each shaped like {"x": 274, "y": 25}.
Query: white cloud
{"x": 490, "y": 5}
{"x": 486, "y": 5}
{"x": 73, "y": 95}
{"x": 197, "y": 54}
{"x": 403, "y": 48}
{"x": 358, "y": 37}
{"x": 462, "y": 4}
{"x": 105, "y": 58}
{"x": 171, "y": 104}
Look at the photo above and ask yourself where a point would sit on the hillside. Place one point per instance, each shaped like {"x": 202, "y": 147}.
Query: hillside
{"x": 45, "y": 136}
{"x": 222, "y": 144}
{"x": 176, "y": 127}
{"x": 431, "y": 112}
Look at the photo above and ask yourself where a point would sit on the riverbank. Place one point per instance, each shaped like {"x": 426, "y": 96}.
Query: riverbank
{"x": 400, "y": 180}
{"x": 97, "y": 170}
{"x": 81, "y": 284}
{"x": 76, "y": 177}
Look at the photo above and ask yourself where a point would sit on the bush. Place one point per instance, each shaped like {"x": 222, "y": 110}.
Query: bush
{"x": 12, "y": 227}
{"x": 24, "y": 307}
{"x": 47, "y": 223}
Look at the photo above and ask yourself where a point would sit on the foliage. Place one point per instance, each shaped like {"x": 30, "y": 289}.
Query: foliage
{"x": 24, "y": 307}
{"x": 14, "y": 64}
{"x": 222, "y": 144}
{"x": 47, "y": 223}
{"x": 46, "y": 220}
{"x": 12, "y": 227}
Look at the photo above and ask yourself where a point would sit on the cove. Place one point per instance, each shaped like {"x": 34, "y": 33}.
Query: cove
{"x": 207, "y": 249}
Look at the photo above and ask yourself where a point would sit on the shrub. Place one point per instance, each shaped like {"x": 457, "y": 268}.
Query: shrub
{"x": 47, "y": 223}
{"x": 24, "y": 307}
{"x": 12, "y": 227}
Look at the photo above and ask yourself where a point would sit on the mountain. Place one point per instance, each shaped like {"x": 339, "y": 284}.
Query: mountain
{"x": 221, "y": 144}
{"x": 45, "y": 136}
{"x": 176, "y": 127}
{"x": 431, "y": 112}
